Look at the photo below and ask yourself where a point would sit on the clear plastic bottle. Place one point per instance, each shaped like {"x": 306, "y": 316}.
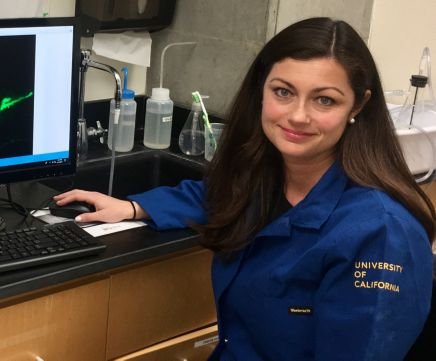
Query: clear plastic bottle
{"x": 125, "y": 130}
{"x": 419, "y": 108}
{"x": 191, "y": 138}
{"x": 158, "y": 119}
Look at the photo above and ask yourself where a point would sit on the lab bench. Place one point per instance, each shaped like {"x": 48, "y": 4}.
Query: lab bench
{"x": 148, "y": 296}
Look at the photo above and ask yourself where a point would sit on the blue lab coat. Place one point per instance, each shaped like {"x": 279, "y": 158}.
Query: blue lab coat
{"x": 345, "y": 275}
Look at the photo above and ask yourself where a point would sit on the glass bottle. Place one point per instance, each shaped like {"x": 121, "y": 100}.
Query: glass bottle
{"x": 191, "y": 138}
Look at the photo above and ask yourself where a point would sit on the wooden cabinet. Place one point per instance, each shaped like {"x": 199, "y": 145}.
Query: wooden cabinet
{"x": 159, "y": 301}
{"x": 195, "y": 346}
{"x": 69, "y": 325}
{"x": 430, "y": 190}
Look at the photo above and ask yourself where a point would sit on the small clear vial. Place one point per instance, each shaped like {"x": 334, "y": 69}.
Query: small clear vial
{"x": 158, "y": 119}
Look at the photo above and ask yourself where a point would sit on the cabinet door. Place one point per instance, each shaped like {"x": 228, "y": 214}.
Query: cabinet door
{"x": 68, "y": 325}
{"x": 159, "y": 301}
{"x": 195, "y": 346}
{"x": 430, "y": 190}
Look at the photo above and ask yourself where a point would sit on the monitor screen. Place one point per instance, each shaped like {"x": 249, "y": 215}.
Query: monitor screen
{"x": 39, "y": 70}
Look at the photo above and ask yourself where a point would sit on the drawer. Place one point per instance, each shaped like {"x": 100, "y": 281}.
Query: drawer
{"x": 159, "y": 301}
{"x": 195, "y": 346}
{"x": 69, "y": 325}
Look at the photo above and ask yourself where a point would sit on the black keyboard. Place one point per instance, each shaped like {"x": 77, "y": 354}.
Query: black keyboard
{"x": 27, "y": 247}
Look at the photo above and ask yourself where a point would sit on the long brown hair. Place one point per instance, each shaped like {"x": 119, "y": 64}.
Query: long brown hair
{"x": 246, "y": 176}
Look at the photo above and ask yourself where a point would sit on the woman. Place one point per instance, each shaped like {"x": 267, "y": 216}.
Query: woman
{"x": 322, "y": 237}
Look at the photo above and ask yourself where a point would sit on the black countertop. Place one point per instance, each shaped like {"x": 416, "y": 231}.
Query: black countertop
{"x": 123, "y": 248}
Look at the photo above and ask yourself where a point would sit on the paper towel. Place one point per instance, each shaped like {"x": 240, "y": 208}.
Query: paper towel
{"x": 128, "y": 47}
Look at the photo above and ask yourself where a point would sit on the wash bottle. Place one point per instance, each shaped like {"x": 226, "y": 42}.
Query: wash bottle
{"x": 158, "y": 119}
{"x": 125, "y": 130}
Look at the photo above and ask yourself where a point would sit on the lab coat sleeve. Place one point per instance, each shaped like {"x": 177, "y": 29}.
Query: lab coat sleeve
{"x": 173, "y": 207}
{"x": 375, "y": 296}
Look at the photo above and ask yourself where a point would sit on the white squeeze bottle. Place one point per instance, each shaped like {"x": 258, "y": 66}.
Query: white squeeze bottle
{"x": 125, "y": 130}
{"x": 158, "y": 119}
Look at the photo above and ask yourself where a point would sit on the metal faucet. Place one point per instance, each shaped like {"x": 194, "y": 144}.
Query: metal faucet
{"x": 83, "y": 131}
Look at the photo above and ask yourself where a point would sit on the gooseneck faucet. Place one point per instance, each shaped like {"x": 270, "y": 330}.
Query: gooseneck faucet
{"x": 82, "y": 132}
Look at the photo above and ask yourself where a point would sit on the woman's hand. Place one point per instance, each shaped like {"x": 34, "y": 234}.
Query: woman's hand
{"x": 107, "y": 209}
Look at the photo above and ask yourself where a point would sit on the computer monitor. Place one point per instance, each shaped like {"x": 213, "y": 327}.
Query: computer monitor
{"x": 39, "y": 71}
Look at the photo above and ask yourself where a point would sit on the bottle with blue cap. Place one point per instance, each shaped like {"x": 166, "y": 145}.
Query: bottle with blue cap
{"x": 125, "y": 130}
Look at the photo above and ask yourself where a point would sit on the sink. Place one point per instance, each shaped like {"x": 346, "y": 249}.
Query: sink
{"x": 134, "y": 173}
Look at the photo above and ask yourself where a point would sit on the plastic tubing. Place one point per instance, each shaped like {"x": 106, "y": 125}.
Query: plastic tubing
{"x": 112, "y": 167}
{"x": 433, "y": 149}
{"x": 162, "y": 57}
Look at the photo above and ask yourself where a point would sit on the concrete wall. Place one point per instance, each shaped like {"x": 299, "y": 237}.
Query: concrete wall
{"x": 229, "y": 34}
{"x": 356, "y": 12}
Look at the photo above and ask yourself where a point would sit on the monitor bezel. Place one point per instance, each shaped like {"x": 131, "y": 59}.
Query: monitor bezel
{"x": 33, "y": 172}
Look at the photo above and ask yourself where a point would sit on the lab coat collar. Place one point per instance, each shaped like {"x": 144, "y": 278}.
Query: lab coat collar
{"x": 314, "y": 210}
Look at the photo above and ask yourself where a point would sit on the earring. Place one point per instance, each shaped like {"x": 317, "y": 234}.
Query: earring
{"x": 352, "y": 121}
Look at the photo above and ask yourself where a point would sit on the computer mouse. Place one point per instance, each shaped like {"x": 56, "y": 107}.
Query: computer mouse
{"x": 70, "y": 210}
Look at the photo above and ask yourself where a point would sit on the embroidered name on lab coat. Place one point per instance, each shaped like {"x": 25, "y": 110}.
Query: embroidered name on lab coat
{"x": 363, "y": 269}
{"x": 298, "y": 310}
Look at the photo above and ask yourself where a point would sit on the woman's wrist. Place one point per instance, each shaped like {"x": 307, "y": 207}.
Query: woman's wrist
{"x": 134, "y": 211}
{"x": 133, "y": 204}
